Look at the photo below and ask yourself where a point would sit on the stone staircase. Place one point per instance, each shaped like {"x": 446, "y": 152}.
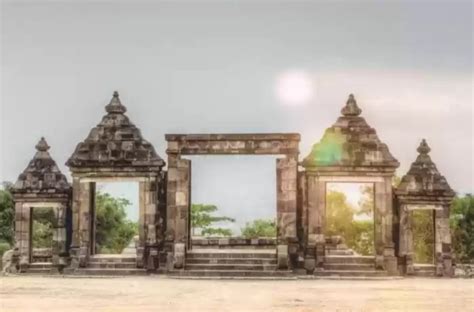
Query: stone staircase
{"x": 424, "y": 270}
{"x": 107, "y": 265}
{"x": 40, "y": 268}
{"x": 342, "y": 262}
{"x": 231, "y": 263}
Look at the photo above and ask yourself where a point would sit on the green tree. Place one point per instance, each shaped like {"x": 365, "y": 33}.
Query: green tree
{"x": 462, "y": 227}
{"x": 423, "y": 236}
{"x": 366, "y": 203}
{"x": 7, "y": 215}
{"x": 202, "y": 218}
{"x": 259, "y": 228}
{"x": 341, "y": 220}
{"x": 43, "y": 227}
{"x": 113, "y": 231}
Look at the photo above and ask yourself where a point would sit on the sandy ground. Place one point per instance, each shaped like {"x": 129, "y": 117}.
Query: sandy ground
{"x": 163, "y": 294}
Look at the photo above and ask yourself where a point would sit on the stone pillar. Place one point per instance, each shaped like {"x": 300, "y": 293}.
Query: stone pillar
{"x": 384, "y": 245}
{"x": 80, "y": 248}
{"x": 59, "y": 251}
{"x": 443, "y": 252}
{"x": 405, "y": 250}
{"x": 316, "y": 193}
{"x": 151, "y": 224}
{"x": 22, "y": 234}
{"x": 286, "y": 210}
{"x": 178, "y": 206}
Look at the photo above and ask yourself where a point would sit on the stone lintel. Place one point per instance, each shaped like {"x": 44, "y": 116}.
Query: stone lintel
{"x": 115, "y": 171}
{"x": 234, "y": 137}
{"x": 423, "y": 200}
{"x": 350, "y": 171}
{"x": 36, "y": 198}
{"x": 424, "y": 206}
{"x": 43, "y": 204}
{"x": 232, "y": 151}
{"x": 351, "y": 179}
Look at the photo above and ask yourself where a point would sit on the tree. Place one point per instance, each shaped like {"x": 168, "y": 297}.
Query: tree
{"x": 7, "y": 215}
{"x": 340, "y": 220}
{"x": 113, "y": 231}
{"x": 44, "y": 222}
{"x": 259, "y": 228}
{"x": 423, "y": 236}
{"x": 202, "y": 218}
{"x": 462, "y": 227}
{"x": 366, "y": 203}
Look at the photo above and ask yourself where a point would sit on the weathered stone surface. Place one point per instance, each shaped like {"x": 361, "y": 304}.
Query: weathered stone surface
{"x": 42, "y": 175}
{"x": 115, "y": 143}
{"x": 423, "y": 179}
{"x": 255, "y": 143}
{"x": 424, "y": 188}
{"x": 350, "y": 142}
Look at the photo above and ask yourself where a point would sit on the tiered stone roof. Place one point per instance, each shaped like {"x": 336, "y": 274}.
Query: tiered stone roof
{"x": 423, "y": 178}
{"x": 42, "y": 175}
{"x": 350, "y": 143}
{"x": 115, "y": 143}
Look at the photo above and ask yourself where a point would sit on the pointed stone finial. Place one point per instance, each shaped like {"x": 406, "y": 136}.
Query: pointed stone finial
{"x": 42, "y": 145}
{"x": 351, "y": 109}
{"x": 115, "y": 106}
{"x": 423, "y": 148}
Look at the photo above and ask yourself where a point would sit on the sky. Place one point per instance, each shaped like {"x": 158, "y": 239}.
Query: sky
{"x": 238, "y": 66}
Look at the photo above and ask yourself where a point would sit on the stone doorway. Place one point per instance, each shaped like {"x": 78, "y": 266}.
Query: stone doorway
{"x": 423, "y": 231}
{"x": 349, "y": 225}
{"x": 42, "y": 226}
{"x": 241, "y": 189}
{"x": 115, "y": 218}
{"x": 179, "y": 183}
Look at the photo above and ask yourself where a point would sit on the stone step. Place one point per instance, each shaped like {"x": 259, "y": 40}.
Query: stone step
{"x": 40, "y": 265}
{"x": 342, "y": 252}
{"x": 112, "y": 258}
{"x": 112, "y": 265}
{"x": 225, "y": 254}
{"x": 228, "y": 267}
{"x": 260, "y": 261}
{"x": 39, "y": 271}
{"x": 349, "y": 266}
{"x": 230, "y": 273}
{"x": 350, "y": 259}
{"x": 424, "y": 270}
{"x": 350, "y": 273}
{"x": 109, "y": 272}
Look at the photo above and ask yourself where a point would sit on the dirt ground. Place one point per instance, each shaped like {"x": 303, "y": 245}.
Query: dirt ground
{"x": 163, "y": 294}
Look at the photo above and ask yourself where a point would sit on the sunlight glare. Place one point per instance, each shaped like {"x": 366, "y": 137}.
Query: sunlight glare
{"x": 294, "y": 87}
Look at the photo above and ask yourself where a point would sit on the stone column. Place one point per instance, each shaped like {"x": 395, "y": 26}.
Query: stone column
{"x": 178, "y": 206}
{"x": 443, "y": 252}
{"x": 286, "y": 210}
{"x": 22, "y": 234}
{"x": 80, "y": 248}
{"x": 59, "y": 251}
{"x": 406, "y": 240}
{"x": 384, "y": 246}
{"x": 316, "y": 193}
{"x": 152, "y": 222}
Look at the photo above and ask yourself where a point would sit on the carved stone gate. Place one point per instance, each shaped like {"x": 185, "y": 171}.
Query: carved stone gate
{"x": 179, "y": 183}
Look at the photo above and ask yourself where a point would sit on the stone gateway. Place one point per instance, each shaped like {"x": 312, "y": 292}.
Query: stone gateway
{"x": 349, "y": 151}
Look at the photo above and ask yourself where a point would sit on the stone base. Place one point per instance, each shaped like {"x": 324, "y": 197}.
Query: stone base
{"x": 282, "y": 257}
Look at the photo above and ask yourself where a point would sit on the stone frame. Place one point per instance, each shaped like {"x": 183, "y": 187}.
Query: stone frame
{"x": 149, "y": 227}
{"x": 442, "y": 259}
{"x": 314, "y": 213}
{"x": 179, "y": 184}
{"x": 24, "y": 205}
